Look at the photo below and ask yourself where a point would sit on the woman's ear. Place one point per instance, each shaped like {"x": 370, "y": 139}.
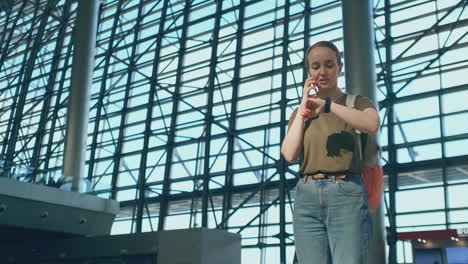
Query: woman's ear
{"x": 340, "y": 68}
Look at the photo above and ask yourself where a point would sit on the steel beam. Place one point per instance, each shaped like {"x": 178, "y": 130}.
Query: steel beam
{"x": 164, "y": 206}
{"x": 14, "y": 127}
{"x": 209, "y": 114}
{"x": 41, "y": 130}
{"x": 283, "y": 123}
{"x": 100, "y": 102}
{"x": 149, "y": 113}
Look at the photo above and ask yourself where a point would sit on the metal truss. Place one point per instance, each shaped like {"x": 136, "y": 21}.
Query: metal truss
{"x": 386, "y": 76}
{"x": 31, "y": 91}
{"x": 181, "y": 132}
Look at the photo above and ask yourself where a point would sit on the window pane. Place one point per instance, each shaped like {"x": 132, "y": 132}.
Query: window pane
{"x": 456, "y": 148}
{"x": 417, "y": 109}
{"x": 413, "y": 131}
{"x": 458, "y": 216}
{"x": 419, "y": 200}
{"x": 421, "y": 219}
{"x": 418, "y": 153}
{"x": 455, "y": 124}
{"x": 454, "y": 102}
{"x": 458, "y": 196}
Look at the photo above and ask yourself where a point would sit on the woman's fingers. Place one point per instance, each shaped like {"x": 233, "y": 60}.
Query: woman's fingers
{"x": 315, "y": 105}
{"x": 310, "y": 88}
{"x": 308, "y": 85}
{"x": 304, "y": 112}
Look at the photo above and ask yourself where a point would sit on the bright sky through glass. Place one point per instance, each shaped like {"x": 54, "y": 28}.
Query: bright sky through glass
{"x": 428, "y": 75}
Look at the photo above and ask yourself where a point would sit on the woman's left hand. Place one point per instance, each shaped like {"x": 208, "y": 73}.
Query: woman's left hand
{"x": 315, "y": 105}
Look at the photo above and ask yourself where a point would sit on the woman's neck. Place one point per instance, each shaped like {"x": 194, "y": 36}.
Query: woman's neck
{"x": 334, "y": 94}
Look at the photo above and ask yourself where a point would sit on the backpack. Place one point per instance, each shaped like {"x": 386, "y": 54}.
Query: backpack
{"x": 370, "y": 154}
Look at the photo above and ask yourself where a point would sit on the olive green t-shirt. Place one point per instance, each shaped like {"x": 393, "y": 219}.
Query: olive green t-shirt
{"x": 329, "y": 144}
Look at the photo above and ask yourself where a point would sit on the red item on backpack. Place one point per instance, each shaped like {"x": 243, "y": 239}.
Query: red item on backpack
{"x": 373, "y": 180}
{"x": 370, "y": 154}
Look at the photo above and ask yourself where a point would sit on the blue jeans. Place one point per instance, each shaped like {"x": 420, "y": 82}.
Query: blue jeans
{"x": 332, "y": 223}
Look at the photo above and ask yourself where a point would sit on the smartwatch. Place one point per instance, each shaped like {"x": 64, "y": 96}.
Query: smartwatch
{"x": 327, "y": 105}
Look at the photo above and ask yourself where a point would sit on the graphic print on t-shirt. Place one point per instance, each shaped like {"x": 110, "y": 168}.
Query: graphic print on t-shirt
{"x": 339, "y": 141}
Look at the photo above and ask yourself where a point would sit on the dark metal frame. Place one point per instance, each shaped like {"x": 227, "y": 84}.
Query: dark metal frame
{"x": 154, "y": 201}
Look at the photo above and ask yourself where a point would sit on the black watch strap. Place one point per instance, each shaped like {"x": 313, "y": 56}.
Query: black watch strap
{"x": 327, "y": 105}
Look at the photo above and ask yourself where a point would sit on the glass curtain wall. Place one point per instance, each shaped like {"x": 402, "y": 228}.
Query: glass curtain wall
{"x": 190, "y": 102}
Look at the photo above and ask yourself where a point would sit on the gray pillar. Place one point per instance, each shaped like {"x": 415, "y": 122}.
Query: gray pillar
{"x": 358, "y": 34}
{"x": 78, "y": 100}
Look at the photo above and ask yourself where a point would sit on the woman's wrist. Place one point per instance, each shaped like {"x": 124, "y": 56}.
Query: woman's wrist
{"x": 303, "y": 116}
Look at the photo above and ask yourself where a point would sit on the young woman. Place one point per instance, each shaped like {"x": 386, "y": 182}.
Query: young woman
{"x": 331, "y": 218}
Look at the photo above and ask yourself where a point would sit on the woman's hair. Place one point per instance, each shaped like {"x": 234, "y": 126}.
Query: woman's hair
{"x": 325, "y": 44}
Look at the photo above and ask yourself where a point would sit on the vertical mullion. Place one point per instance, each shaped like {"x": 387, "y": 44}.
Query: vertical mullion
{"x": 22, "y": 89}
{"x": 99, "y": 106}
{"x": 442, "y": 124}
{"x": 149, "y": 114}
{"x": 6, "y": 43}
{"x": 117, "y": 157}
{"x": 49, "y": 91}
{"x": 282, "y": 162}
{"x": 227, "y": 199}
{"x": 209, "y": 113}
{"x": 5, "y": 30}
{"x": 307, "y": 14}
{"x": 164, "y": 206}
{"x": 141, "y": 183}
{"x": 15, "y": 98}
{"x": 392, "y": 157}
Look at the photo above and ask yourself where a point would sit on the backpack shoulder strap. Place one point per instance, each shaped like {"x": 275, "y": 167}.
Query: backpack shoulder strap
{"x": 351, "y": 100}
{"x": 351, "y": 103}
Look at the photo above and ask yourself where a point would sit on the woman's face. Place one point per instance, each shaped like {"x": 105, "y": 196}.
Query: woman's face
{"x": 324, "y": 67}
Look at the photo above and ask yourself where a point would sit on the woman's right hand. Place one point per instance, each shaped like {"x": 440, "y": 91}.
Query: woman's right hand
{"x": 304, "y": 111}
